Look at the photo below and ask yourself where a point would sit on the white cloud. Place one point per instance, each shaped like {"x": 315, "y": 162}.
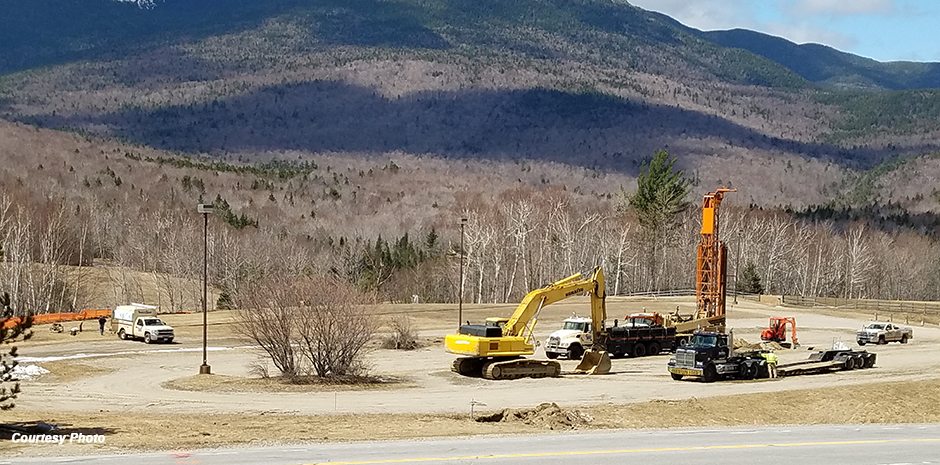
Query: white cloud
{"x": 802, "y": 33}
{"x": 704, "y": 14}
{"x": 845, "y": 7}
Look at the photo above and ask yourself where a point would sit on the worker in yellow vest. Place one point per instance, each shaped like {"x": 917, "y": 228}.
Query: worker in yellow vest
{"x": 771, "y": 359}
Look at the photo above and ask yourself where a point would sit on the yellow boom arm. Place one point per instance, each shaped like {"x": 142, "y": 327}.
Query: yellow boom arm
{"x": 559, "y": 290}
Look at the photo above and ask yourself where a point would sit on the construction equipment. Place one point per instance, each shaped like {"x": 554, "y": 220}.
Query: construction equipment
{"x": 711, "y": 357}
{"x": 711, "y": 265}
{"x": 777, "y": 331}
{"x": 495, "y": 349}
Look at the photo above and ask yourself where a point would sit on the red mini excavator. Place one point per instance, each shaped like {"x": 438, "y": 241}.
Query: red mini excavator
{"x": 777, "y": 331}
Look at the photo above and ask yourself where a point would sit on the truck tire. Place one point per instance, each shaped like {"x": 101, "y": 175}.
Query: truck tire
{"x": 848, "y": 363}
{"x": 710, "y": 373}
{"x": 551, "y": 355}
{"x": 881, "y": 340}
{"x": 904, "y": 339}
{"x": 676, "y": 376}
{"x": 122, "y": 335}
{"x": 859, "y": 361}
{"x": 653, "y": 348}
{"x": 147, "y": 339}
{"x": 749, "y": 370}
{"x": 575, "y": 351}
{"x": 861, "y": 343}
{"x": 639, "y": 350}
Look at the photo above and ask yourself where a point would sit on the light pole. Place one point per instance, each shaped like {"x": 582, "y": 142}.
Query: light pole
{"x": 206, "y": 209}
{"x": 463, "y": 223}
{"x": 737, "y": 264}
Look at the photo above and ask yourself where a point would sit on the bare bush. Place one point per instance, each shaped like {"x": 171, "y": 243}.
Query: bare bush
{"x": 334, "y": 327}
{"x": 308, "y": 326}
{"x": 403, "y": 335}
{"x": 270, "y": 320}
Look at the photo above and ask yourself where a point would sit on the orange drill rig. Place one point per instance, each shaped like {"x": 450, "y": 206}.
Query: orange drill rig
{"x": 711, "y": 264}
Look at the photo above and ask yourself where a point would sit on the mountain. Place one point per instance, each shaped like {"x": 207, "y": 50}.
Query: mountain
{"x": 829, "y": 67}
{"x": 592, "y": 85}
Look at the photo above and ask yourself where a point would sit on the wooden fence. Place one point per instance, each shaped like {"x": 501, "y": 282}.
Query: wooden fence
{"x": 907, "y": 311}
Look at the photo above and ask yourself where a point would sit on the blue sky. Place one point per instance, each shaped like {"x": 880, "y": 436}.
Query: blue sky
{"x": 885, "y": 30}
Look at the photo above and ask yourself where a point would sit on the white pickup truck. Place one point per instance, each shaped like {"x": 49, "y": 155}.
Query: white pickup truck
{"x": 883, "y": 333}
{"x": 139, "y": 321}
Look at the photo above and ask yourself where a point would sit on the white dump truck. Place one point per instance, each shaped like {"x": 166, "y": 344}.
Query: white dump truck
{"x": 139, "y": 321}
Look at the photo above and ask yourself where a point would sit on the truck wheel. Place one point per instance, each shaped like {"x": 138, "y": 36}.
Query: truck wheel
{"x": 904, "y": 339}
{"x": 749, "y": 371}
{"x": 147, "y": 339}
{"x": 639, "y": 350}
{"x": 575, "y": 352}
{"x": 551, "y": 355}
{"x": 859, "y": 362}
{"x": 848, "y": 363}
{"x": 861, "y": 343}
{"x": 653, "y": 349}
{"x": 676, "y": 376}
{"x": 122, "y": 335}
{"x": 881, "y": 340}
{"x": 710, "y": 374}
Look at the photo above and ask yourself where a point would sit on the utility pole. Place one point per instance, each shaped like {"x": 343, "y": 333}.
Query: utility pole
{"x": 206, "y": 209}
{"x": 463, "y": 223}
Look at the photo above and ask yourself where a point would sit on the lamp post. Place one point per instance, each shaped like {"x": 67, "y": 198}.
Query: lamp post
{"x": 463, "y": 223}
{"x": 206, "y": 209}
{"x": 737, "y": 264}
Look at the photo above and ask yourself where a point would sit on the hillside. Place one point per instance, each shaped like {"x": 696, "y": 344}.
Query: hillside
{"x": 827, "y": 66}
{"x": 586, "y": 87}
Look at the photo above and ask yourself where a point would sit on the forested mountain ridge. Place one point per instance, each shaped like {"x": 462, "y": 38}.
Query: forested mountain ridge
{"x": 592, "y": 83}
{"x": 348, "y": 137}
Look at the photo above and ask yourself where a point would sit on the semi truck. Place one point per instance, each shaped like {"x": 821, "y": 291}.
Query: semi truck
{"x": 140, "y": 322}
{"x": 709, "y": 356}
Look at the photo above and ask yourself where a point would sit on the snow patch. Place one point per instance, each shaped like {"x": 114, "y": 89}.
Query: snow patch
{"x": 28, "y": 372}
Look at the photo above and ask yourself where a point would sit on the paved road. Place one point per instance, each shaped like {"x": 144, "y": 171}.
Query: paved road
{"x": 828, "y": 445}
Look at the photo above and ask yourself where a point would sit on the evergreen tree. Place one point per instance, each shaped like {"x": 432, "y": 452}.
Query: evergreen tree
{"x": 660, "y": 198}
{"x": 750, "y": 280}
{"x": 9, "y": 386}
{"x": 661, "y": 193}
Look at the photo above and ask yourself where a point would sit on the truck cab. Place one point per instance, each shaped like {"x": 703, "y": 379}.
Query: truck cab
{"x": 570, "y": 341}
{"x": 709, "y": 356}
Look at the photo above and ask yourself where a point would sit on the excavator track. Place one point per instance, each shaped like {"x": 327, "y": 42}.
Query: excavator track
{"x": 468, "y": 366}
{"x": 521, "y": 368}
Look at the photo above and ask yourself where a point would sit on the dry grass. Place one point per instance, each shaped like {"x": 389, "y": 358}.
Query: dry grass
{"x": 900, "y": 402}
{"x": 67, "y": 371}
{"x": 890, "y": 402}
{"x": 223, "y": 383}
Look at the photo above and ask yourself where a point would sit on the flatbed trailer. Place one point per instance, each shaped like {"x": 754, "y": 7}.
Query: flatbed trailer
{"x": 826, "y": 361}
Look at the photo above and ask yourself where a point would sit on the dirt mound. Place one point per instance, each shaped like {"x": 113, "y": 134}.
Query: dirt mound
{"x": 742, "y": 344}
{"x": 548, "y": 415}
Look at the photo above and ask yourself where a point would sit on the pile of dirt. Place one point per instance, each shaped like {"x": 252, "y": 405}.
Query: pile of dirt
{"x": 743, "y": 344}
{"x": 547, "y": 415}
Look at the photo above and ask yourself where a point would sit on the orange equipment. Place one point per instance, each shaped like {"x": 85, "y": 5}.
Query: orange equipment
{"x": 46, "y": 318}
{"x": 711, "y": 265}
{"x": 777, "y": 331}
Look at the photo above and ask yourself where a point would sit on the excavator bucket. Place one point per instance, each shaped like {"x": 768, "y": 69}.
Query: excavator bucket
{"x": 594, "y": 362}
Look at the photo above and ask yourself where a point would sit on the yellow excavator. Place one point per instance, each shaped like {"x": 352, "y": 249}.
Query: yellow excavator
{"x": 495, "y": 349}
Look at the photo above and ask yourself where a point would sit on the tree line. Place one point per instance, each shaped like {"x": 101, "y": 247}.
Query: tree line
{"x": 512, "y": 242}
